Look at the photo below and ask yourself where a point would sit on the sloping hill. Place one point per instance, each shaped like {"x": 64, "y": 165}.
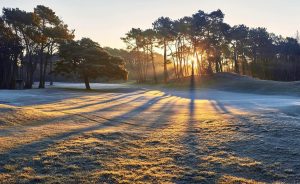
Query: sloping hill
{"x": 229, "y": 81}
{"x": 238, "y": 83}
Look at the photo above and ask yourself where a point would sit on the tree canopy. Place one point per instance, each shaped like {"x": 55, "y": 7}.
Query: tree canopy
{"x": 89, "y": 61}
{"x": 10, "y": 53}
{"x": 39, "y": 34}
{"x": 204, "y": 44}
{"x": 199, "y": 44}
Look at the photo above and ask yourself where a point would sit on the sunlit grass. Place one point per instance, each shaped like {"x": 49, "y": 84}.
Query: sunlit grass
{"x": 227, "y": 179}
{"x": 146, "y": 137}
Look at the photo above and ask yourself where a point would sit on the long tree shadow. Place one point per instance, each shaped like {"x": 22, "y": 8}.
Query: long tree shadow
{"x": 190, "y": 140}
{"x": 119, "y": 105}
{"x": 220, "y": 107}
{"x": 33, "y": 148}
{"x": 162, "y": 116}
{"x": 233, "y": 156}
{"x": 121, "y": 97}
{"x": 68, "y": 116}
{"x": 33, "y": 97}
{"x": 55, "y": 95}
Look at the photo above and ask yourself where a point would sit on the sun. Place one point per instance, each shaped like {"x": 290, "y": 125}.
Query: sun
{"x": 192, "y": 61}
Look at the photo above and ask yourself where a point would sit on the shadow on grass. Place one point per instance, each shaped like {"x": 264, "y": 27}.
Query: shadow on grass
{"x": 120, "y": 97}
{"x": 192, "y": 139}
{"x": 37, "y": 146}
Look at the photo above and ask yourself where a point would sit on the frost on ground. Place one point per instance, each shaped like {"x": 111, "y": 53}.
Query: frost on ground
{"x": 125, "y": 135}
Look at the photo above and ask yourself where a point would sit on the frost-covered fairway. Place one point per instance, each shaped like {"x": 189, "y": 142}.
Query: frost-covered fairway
{"x": 122, "y": 134}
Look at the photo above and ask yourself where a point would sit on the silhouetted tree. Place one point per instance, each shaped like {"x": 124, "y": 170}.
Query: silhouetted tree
{"x": 138, "y": 44}
{"x": 10, "y": 54}
{"x": 206, "y": 39}
{"x": 238, "y": 42}
{"x": 149, "y": 36}
{"x": 52, "y": 31}
{"x": 89, "y": 61}
{"x": 164, "y": 28}
{"x": 40, "y": 32}
{"x": 24, "y": 25}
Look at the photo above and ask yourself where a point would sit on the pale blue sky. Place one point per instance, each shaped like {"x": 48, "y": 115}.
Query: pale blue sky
{"x": 107, "y": 20}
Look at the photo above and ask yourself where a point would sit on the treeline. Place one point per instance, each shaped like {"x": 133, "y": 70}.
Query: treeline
{"x": 28, "y": 42}
{"x": 203, "y": 44}
{"x": 40, "y": 43}
{"x": 132, "y": 64}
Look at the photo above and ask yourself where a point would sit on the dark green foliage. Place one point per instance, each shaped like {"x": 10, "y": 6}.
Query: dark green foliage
{"x": 39, "y": 33}
{"x": 52, "y": 32}
{"x": 88, "y": 60}
{"x": 205, "y": 44}
{"x": 24, "y": 26}
{"x": 10, "y": 53}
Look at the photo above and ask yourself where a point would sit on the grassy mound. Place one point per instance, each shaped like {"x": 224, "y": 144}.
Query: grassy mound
{"x": 238, "y": 83}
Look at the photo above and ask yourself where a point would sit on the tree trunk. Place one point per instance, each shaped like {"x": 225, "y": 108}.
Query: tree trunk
{"x": 41, "y": 84}
{"x": 153, "y": 66}
{"x": 218, "y": 64}
{"x": 14, "y": 74}
{"x": 45, "y": 70}
{"x": 29, "y": 72}
{"x": 166, "y": 77}
{"x": 244, "y": 66}
{"x": 51, "y": 74}
{"x": 198, "y": 61}
{"x": 236, "y": 64}
{"x": 87, "y": 83}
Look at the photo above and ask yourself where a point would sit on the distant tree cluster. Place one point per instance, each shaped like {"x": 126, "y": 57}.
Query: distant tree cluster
{"x": 29, "y": 42}
{"x": 133, "y": 65}
{"x": 204, "y": 44}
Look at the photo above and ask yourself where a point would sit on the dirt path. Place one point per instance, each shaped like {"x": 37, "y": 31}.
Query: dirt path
{"x": 123, "y": 135}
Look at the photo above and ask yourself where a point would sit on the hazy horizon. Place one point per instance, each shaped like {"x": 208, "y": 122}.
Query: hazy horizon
{"x": 106, "y": 21}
